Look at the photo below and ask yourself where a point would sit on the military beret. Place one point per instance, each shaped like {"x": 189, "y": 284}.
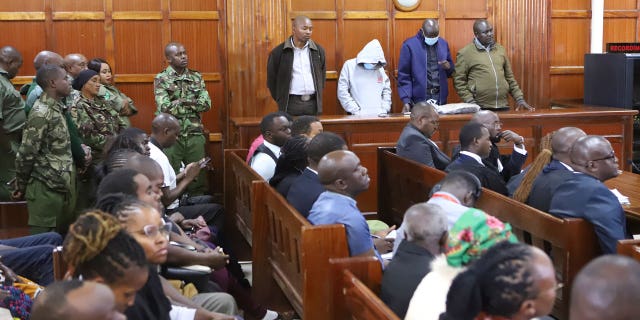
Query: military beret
{"x": 82, "y": 78}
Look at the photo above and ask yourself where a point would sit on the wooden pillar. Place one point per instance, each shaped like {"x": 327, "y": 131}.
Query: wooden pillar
{"x": 523, "y": 28}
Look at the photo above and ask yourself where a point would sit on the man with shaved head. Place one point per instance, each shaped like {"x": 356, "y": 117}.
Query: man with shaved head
{"x": 75, "y": 63}
{"x": 426, "y": 232}
{"x": 557, "y": 171}
{"x": 43, "y": 58}
{"x": 585, "y": 196}
{"x": 344, "y": 178}
{"x": 296, "y": 71}
{"x": 424, "y": 67}
{"x": 483, "y": 72}
{"x": 76, "y": 300}
{"x": 12, "y": 117}
{"x": 415, "y": 140}
{"x": 181, "y": 92}
{"x": 607, "y": 288}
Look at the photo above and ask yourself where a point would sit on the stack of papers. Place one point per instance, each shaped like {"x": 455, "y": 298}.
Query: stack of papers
{"x": 624, "y": 200}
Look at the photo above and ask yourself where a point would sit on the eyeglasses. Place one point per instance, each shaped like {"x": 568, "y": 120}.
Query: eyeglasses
{"x": 610, "y": 156}
{"x": 152, "y": 231}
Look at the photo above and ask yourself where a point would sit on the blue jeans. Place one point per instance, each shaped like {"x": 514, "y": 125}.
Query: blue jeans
{"x": 31, "y": 256}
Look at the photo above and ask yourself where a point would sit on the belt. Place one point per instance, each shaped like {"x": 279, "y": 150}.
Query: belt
{"x": 304, "y": 97}
{"x": 433, "y": 90}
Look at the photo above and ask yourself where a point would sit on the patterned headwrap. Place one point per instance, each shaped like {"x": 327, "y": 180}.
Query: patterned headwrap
{"x": 473, "y": 234}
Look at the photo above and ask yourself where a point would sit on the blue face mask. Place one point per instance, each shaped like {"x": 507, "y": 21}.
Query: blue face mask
{"x": 431, "y": 41}
{"x": 369, "y": 66}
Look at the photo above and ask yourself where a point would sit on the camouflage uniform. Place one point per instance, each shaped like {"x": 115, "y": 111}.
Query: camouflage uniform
{"x": 45, "y": 171}
{"x": 96, "y": 122}
{"x": 171, "y": 89}
{"x": 115, "y": 98}
{"x": 12, "y": 119}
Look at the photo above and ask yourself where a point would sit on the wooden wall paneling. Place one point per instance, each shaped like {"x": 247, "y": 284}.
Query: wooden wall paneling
{"x": 571, "y": 5}
{"x": 567, "y": 86}
{"x": 370, "y": 5}
{"x": 138, "y": 47}
{"x": 521, "y": 27}
{"x": 616, "y": 30}
{"x": 298, "y": 6}
{"x": 200, "y": 38}
{"x": 22, "y": 6}
{"x": 78, "y": 6}
{"x": 193, "y": 5}
{"x": 467, "y": 9}
{"x": 128, "y": 5}
{"x": 14, "y": 34}
{"x": 621, "y": 5}
{"x": 86, "y": 37}
{"x": 142, "y": 95}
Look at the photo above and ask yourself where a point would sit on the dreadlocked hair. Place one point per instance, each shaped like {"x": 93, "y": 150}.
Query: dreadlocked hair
{"x": 496, "y": 284}
{"x": 97, "y": 246}
{"x": 121, "y": 205}
{"x": 544, "y": 157}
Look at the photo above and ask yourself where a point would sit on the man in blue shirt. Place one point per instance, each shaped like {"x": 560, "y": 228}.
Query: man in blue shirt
{"x": 344, "y": 178}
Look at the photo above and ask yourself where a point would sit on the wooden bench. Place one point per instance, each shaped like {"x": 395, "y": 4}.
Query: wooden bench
{"x": 356, "y": 285}
{"x": 238, "y": 177}
{"x": 292, "y": 255}
{"x": 14, "y": 217}
{"x": 629, "y": 248}
{"x": 571, "y": 243}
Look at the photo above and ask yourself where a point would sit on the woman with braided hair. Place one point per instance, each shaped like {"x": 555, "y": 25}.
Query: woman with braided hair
{"x": 98, "y": 249}
{"x": 510, "y": 281}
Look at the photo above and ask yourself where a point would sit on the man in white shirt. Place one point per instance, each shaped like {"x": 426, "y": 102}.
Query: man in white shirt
{"x": 296, "y": 71}
{"x": 165, "y": 129}
{"x": 276, "y": 130}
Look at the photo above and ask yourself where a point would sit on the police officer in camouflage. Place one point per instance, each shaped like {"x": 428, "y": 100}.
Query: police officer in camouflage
{"x": 45, "y": 173}
{"x": 97, "y": 122}
{"x": 181, "y": 92}
{"x": 12, "y": 117}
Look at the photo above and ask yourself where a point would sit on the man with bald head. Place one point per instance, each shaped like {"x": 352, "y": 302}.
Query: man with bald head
{"x": 415, "y": 140}
{"x": 75, "y": 63}
{"x": 506, "y": 165}
{"x": 296, "y": 71}
{"x": 424, "y": 66}
{"x": 76, "y": 300}
{"x": 426, "y": 232}
{"x": 607, "y": 288}
{"x": 43, "y": 58}
{"x": 181, "y": 92}
{"x": 344, "y": 178}
{"x": 483, "y": 72}
{"x": 585, "y": 196}
{"x": 12, "y": 117}
{"x": 557, "y": 171}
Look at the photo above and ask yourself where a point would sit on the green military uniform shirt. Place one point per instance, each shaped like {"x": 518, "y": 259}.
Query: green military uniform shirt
{"x": 45, "y": 152}
{"x": 12, "y": 120}
{"x": 115, "y": 98}
{"x": 172, "y": 89}
{"x": 96, "y": 122}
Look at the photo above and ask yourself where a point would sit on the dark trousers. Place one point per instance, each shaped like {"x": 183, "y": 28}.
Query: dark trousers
{"x": 31, "y": 256}
{"x": 297, "y": 107}
{"x": 193, "y": 207}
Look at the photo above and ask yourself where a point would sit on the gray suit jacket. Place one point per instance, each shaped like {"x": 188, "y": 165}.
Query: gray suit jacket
{"x": 414, "y": 145}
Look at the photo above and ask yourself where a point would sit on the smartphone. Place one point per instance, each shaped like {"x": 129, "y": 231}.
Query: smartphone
{"x": 204, "y": 162}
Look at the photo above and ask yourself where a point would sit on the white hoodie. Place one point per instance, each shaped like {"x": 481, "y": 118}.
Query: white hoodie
{"x": 362, "y": 91}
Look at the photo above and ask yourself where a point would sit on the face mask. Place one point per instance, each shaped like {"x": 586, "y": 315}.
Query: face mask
{"x": 369, "y": 66}
{"x": 431, "y": 41}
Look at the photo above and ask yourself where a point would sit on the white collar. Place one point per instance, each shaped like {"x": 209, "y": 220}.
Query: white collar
{"x": 473, "y": 155}
{"x": 275, "y": 149}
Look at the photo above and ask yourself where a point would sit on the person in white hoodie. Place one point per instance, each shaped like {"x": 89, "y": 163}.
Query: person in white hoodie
{"x": 364, "y": 87}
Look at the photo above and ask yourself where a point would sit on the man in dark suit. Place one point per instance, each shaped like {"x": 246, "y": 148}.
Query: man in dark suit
{"x": 415, "y": 140}
{"x": 585, "y": 196}
{"x": 557, "y": 171}
{"x": 507, "y": 165}
{"x": 425, "y": 228}
{"x": 476, "y": 145}
{"x": 306, "y": 188}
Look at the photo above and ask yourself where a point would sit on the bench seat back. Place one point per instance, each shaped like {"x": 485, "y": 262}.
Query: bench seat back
{"x": 238, "y": 177}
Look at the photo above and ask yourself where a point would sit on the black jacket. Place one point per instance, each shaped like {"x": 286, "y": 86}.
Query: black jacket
{"x": 280, "y": 67}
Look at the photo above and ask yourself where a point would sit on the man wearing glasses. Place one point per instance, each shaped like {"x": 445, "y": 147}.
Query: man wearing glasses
{"x": 415, "y": 140}
{"x": 507, "y": 165}
{"x": 585, "y": 196}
